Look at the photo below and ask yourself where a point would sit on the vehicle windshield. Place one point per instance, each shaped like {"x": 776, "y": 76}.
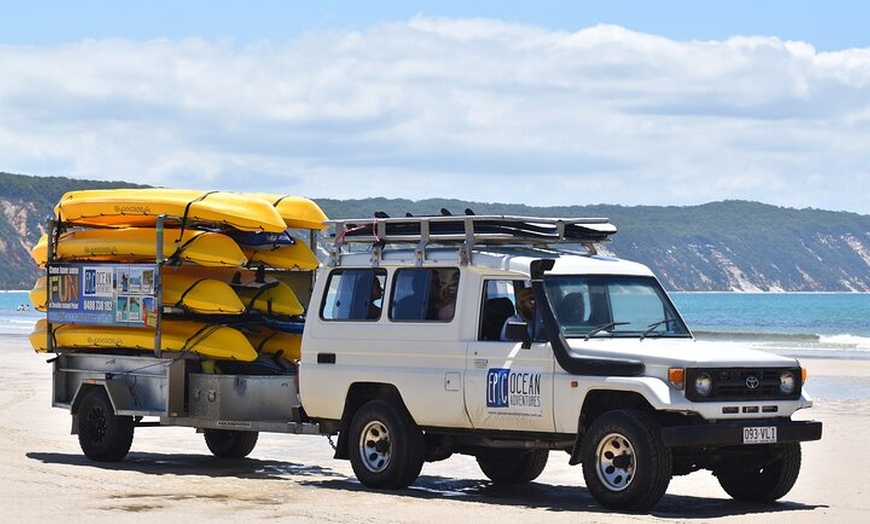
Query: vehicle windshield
{"x": 592, "y": 306}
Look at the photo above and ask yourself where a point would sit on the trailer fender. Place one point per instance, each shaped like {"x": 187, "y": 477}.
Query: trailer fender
{"x": 122, "y": 399}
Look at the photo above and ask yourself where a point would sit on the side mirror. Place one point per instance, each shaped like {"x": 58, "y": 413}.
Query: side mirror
{"x": 518, "y": 331}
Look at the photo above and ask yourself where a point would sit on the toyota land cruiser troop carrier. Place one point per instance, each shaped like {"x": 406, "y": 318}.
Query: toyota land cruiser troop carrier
{"x": 500, "y": 337}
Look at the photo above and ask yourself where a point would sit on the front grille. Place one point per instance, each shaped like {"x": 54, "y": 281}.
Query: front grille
{"x": 742, "y": 384}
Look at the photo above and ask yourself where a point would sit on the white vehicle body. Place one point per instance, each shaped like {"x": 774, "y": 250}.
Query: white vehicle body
{"x": 437, "y": 366}
{"x": 471, "y": 393}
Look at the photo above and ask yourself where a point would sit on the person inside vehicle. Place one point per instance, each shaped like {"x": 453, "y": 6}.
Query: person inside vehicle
{"x": 525, "y": 311}
{"x": 377, "y": 294}
{"x": 445, "y": 286}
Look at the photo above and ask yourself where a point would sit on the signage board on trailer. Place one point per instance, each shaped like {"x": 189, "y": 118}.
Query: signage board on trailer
{"x": 102, "y": 294}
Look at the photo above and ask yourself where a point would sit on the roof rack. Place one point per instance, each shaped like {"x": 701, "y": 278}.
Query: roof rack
{"x": 466, "y": 232}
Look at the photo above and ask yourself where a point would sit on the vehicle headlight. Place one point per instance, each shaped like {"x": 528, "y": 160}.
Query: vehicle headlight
{"x": 786, "y": 383}
{"x": 703, "y": 384}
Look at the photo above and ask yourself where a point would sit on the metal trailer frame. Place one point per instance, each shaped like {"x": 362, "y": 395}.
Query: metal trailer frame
{"x": 166, "y": 388}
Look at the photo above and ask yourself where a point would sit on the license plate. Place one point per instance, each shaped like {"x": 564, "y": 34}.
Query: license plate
{"x": 759, "y": 435}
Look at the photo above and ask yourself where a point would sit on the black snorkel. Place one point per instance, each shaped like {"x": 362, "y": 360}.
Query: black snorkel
{"x": 567, "y": 359}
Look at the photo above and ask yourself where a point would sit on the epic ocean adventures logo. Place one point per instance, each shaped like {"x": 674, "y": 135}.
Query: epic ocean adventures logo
{"x": 514, "y": 390}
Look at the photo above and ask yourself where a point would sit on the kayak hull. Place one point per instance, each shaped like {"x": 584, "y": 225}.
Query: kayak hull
{"x": 208, "y": 340}
{"x": 140, "y": 208}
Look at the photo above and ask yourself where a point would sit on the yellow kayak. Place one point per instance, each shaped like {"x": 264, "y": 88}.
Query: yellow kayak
{"x": 297, "y": 212}
{"x": 140, "y": 208}
{"x": 277, "y": 288}
{"x": 37, "y": 294}
{"x": 206, "y": 248}
{"x": 272, "y": 297}
{"x": 285, "y": 345}
{"x": 200, "y": 295}
{"x": 195, "y": 294}
{"x": 209, "y": 340}
{"x": 292, "y": 256}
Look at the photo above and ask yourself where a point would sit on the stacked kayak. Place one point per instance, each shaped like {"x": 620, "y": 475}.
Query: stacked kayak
{"x": 221, "y": 287}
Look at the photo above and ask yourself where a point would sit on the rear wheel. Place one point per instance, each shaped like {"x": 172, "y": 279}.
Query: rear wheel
{"x": 767, "y": 483}
{"x": 625, "y": 463}
{"x": 227, "y": 443}
{"x": 103, "y": 436}
{"x": 512, "y": 466}
{"x": 386, "y": 446}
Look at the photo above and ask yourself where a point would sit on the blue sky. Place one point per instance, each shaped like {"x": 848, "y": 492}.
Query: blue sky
{"x": 827, "y": 25}
{"x": 546, "y": 103}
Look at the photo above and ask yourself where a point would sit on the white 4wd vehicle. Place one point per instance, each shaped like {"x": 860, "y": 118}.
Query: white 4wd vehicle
{"x": 409, "y": 354}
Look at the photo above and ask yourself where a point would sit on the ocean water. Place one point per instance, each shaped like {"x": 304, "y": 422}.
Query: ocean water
{"x": 799, "y": 324}
{"x": 12, "y": 320}
{"x": 833, "y": 325}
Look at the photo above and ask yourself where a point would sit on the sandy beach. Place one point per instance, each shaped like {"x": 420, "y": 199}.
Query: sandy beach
{"x": 170, "y": 474}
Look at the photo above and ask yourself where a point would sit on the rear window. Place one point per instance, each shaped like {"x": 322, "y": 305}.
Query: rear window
{"x": 424, "y": 294}
{"x": 354, "y": 294}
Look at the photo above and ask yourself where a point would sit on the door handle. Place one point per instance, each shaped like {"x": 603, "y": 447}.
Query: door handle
{"x": 481, "y": 363}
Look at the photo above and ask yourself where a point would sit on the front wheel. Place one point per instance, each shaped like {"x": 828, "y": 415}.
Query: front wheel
{"x": 103, "y": 436}
{"x": 625, "y": 463}
{"x": 228, "y": 443}
{"x": 512, "y": 466}
{"x": 386, "y": 446}
{"x": 766, "y": 483}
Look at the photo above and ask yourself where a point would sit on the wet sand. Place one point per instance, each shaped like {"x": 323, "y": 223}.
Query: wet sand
{"x": 170, "y": 474}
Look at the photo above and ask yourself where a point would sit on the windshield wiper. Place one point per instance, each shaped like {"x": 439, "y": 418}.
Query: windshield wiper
{"x": 602, "y": 327}
{"x": 652, "y": 327}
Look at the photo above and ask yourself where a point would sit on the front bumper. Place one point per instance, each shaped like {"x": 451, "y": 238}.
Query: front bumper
{"x": 731, "y": 433}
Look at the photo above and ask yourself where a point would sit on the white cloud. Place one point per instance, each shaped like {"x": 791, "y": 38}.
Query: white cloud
{"x": 468, "y": 108}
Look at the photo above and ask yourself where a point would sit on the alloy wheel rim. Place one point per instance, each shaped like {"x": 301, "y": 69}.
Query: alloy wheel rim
{"x": 374, "y": 446}
{"x": 615, "y": 462}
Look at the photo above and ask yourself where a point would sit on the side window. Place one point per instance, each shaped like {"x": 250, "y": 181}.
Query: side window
{"x": 498, "y": 306}
{"x": 425, "y": 294}
{"x": 504, "y": 300}
{"x": 354, "y": 294}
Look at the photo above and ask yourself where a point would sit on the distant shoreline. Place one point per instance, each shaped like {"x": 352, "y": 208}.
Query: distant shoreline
{"x": 739, "y": 292}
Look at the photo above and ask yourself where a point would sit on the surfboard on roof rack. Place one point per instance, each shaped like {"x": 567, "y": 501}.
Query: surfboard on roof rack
{"x": 479, "y": 229}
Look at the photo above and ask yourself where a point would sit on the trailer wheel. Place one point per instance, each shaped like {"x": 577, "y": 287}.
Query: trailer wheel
{"x": 388, "y": 446}
{"x": 512, "y": 466}
{"x": 625, "y": 463}
{"x": 103, "y": 436}
{"x": 229, "y": 443}
{"x": 767, "y": 483}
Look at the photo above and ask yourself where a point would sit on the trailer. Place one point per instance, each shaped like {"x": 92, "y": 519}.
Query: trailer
{"x": 111, "y": 395}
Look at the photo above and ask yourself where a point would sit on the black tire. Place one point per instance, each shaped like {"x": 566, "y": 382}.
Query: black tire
{"x": 625, "y": 464}
{"x": 228, "y": 443}
{"x": 513, "y": 466}
{"x": 767, "y": 483}
{"x": 103, "y": 436}
{"x": 386, "y": 446}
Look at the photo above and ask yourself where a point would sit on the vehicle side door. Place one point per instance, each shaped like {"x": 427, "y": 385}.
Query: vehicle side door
{"x": 507, "y": 386}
